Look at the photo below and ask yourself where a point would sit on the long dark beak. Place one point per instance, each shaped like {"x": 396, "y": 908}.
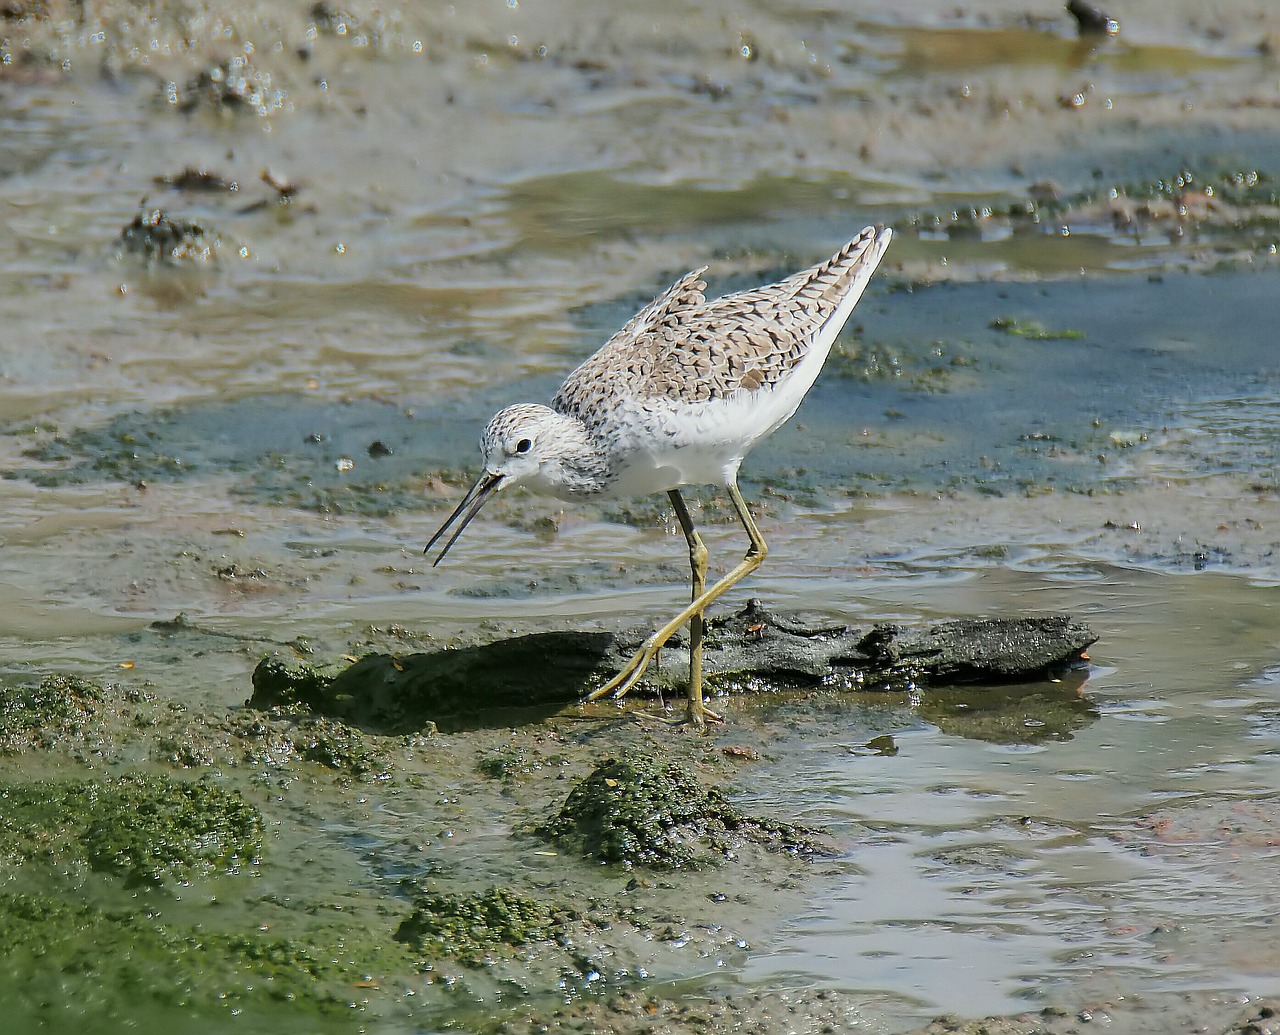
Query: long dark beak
{"x": 484, "y": 487}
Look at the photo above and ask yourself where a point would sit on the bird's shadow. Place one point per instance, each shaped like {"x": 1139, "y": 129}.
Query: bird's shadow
{"x": 507, "y": 683}
{"x": 525, "y": 679}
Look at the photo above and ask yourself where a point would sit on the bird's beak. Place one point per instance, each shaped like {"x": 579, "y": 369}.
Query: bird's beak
{"x": 485, "y": 486}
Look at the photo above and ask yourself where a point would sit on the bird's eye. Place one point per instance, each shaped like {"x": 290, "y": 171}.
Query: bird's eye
{"x": 524, "y": 445}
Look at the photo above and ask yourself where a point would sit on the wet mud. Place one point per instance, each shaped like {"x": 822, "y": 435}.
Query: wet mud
{"x": 265, "y": 273}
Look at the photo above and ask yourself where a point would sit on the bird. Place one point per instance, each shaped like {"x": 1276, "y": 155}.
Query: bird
{"x": 677, "y": 397}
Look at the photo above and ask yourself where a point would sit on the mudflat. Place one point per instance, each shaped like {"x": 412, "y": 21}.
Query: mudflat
{"x": 266, "y": 271}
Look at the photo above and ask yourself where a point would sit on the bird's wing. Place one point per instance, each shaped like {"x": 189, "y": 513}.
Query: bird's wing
{"x": 681, "y": 347}
{"x": 624, "y": 365}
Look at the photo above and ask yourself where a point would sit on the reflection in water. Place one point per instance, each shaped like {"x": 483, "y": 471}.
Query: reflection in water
{"x": 984, "y": 872}
{"x": 1023, "y": 714}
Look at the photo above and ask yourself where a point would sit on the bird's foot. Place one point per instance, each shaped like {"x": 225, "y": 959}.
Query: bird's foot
{"x": 697, "y": 724}
{"x": 631, "y": 672}
{"x": 698, "y": 714}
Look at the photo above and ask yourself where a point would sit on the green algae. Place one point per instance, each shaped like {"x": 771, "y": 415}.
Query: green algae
{"x": 507, "y": 764}
{"x": 1031, "y": 330}
{"x": 362, "y": 456}
{"x": 69, "y": 713}
{"x": 341, "y": 748}
{"x": 271, "y": 741}
{"x": 61, "y": 706}
{"x": 473, "y": 928}
{"x": 914, "y": 366}
{"x": 124, "y": 451}
{"x": 515, "y": 762}
{"x": 290, "y": 484}
{"x": 66, "y": 959}
{"x": 634, "y": 811}
{"x": 1234, "y": 206}
{"x": 144, "y": 828}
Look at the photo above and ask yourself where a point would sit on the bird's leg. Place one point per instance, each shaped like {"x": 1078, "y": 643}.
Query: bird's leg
{"x": 698, "y": 580}
{"x": 634, "y": 669}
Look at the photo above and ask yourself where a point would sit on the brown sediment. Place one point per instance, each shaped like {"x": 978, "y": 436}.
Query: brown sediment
{"x": 477, "y": 196}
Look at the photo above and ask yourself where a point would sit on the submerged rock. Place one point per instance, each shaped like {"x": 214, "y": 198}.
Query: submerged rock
{"x": 639, "y": 812}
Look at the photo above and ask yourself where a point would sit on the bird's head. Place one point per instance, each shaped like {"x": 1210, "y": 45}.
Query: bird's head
{"x": 517, "y": 442}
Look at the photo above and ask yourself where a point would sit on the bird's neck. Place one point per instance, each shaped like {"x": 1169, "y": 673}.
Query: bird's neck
{"x": 580, "y": 468}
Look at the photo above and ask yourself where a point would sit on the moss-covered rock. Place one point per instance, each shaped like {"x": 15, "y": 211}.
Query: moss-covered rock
{"x": 340, "y": 747}
{"x": 637, "y": 811}
{"x": 280, "y": 680}
{"x": 475, "y": 928}
{"x": 60, "y": 706}
{"x": 145, "y": 828}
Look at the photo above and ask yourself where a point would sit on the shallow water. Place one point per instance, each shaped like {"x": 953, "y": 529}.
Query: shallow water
{"x": 989, "y": 876}
{"x": 1022, "y": 421}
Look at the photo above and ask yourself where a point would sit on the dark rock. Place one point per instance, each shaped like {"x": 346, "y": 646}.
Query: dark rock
{"x": 638, "y": 811}
{"x": 159, "y": 238}
{"x": 525, "y": 677}
{"x": 1091, "y": 19}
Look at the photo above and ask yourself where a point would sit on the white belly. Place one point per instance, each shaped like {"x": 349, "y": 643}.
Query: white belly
{"x": 704, "y": 443}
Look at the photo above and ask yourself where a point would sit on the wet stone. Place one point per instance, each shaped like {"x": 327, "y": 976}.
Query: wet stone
{"x": 159, "y": 238}
{"x": 526, "y": 678}
{"x": 635, "y": 811}
{"x": 759, "y": 649}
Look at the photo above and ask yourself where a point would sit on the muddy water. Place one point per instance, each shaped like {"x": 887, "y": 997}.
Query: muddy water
{"x": 993, "y": 876}
{"x": 1060, "y": 396}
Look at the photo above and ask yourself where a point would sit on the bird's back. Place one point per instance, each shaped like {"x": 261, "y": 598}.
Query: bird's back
{"x": 683, "y": 349}
{"x": 681, "y": 393}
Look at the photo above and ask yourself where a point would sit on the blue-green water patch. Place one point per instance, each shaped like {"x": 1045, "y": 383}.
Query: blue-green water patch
{"x": 975, "y": 408}
{"x": 928, "y": 391}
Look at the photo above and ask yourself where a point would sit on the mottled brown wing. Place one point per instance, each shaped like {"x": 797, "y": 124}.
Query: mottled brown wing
{"x": 626, "y": 362}
{"x": 682, "y": 347}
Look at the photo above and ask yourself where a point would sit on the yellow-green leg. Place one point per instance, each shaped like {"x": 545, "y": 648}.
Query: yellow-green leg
{"x": 756, "y": 552}
{"x": 698, "y": 580}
